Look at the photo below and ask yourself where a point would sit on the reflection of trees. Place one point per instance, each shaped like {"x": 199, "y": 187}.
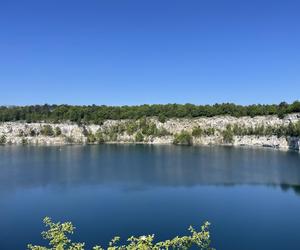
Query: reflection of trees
{"x": 295, "y": 188}
{"x": 146, "y": 166}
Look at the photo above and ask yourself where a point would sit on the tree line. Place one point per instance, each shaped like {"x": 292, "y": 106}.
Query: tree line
{"x": 97, "y": 114}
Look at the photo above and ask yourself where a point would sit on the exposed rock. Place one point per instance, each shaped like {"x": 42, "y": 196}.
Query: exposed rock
{"x": 23, "y": 133}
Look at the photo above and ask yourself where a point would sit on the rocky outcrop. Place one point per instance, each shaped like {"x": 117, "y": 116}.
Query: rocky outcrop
{"x": 118, "y": 132}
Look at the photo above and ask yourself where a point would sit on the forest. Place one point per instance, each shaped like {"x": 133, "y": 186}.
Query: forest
{"x": 94, "y": 114}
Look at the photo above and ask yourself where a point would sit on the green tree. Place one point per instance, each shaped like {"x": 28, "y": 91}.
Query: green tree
{"x": 162, "y": 118}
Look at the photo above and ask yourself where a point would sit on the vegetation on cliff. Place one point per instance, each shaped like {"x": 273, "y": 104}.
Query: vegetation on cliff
{"x": 97, "y": 114}
{"x": 183, "y": 138}
{"x": 57, "y": 236}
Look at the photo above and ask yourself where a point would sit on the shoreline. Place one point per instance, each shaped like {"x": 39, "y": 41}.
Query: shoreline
{"x": 281, "y": 149}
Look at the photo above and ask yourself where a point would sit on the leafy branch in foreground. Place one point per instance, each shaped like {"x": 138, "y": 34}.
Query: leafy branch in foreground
{"x": 58, "y": 240}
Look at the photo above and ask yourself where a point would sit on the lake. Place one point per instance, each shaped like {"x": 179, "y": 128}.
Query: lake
{"x": 251, "y": 196}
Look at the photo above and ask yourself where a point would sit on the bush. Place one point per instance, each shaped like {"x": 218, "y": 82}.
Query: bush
{"x": 91, "y": 138}
{"x": 184, "y": 138}
{"x": 139, "y": 137}
{"x": 131, "y": 127}
{"x": 99, "y": 136}
{"x": 161, "y": 132}
{"x": 197, "y": 132}
{"x": 47, "y": 130}
{"x": 227, "y": 135}
{"x": 2, "y": 139}
{"x": 209, "y": 131}
{"x": 57, "y": 235}
{"x": 162, "y": 118}
{"x": 57, "y": 131}
{"x": 149, "y": 129}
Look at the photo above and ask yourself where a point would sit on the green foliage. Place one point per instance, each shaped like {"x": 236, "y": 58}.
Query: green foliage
{"x": 162, "y": 118}
{"x": 57, "y": 131}
{"x": 2, "y": 139}
{"x": 183, "y": 138}
{"x": 91, "y": 138}
{"x": 131, "y": 127}
{"x": 149, "y": 128}
{"x": 57, "y": 235}
{"x": 197, "y": 132}
{"x": 161, "y": 132}
{"x": 209, "y": 131}
{"x": 97, "y": 114}
{"x": 99, "y": 136}
{"x": 139, "y": 137}
{"x": 227, "y": 135}
{"x": 47, "y": 130}
{"x": 293, "y": 129}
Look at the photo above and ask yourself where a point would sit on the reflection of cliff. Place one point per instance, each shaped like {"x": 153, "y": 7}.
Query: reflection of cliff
{"x": 145, "y": 166}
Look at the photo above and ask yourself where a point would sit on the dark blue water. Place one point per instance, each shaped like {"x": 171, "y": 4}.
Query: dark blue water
{"x": 251, "y": 196}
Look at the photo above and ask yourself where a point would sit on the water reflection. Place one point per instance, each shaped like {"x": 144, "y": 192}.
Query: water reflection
{"x": 141, "y": 166}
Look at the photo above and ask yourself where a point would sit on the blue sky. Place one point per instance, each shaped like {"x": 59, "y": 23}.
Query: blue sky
{"x": 150, "y": 51}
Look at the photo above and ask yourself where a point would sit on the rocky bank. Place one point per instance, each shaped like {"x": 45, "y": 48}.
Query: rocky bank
{"x": 70, "y": 133}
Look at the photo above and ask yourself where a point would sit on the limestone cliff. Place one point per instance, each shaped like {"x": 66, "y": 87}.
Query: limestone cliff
{"x": 152, "y": 131}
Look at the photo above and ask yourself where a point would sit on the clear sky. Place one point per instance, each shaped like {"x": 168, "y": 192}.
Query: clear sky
{"x": 149, "y": 51}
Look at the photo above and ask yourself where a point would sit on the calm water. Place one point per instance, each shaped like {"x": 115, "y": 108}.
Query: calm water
{"x": 250, "y": 196}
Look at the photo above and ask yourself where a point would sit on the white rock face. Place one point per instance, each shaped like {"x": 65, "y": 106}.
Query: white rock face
{"x": 20, "y": 133}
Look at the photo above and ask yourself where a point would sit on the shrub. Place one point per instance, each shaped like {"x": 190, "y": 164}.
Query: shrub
{"x": 139, "y": 137}
{"x": 161, "y": 132}
{"x": 197, "y": 132}
{"x": 149, "y": 129}
{"x": 209, "y": 131}
{"x": 91, "y": 138}
{"x": 184, "y": 138}
{"x": 227, "y": 135}
{"x": 162, "y": 118}
{"x": 57, "y": 131}
{"x": 113, "y": 136}
{"x": 2, "y": 139}
{"x": 57, "y": 235}
{"x": 99, "y": 136}
{"x": 47, "y": 130}
{"x": 131, "y": 127}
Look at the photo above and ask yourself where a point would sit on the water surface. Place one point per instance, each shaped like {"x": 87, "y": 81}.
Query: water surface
{"x": 250, "y": 196}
